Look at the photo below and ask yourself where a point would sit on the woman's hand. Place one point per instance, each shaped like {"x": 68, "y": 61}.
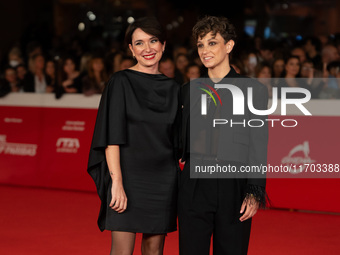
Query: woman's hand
{"x": 252, "y": 205}
{"x": 67, "y": 83}
{"x": 49, "y": 89}
{"x": 119, "y": 199}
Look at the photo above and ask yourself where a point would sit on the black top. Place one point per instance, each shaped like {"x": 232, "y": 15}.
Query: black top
{"x": 239, "y": 143}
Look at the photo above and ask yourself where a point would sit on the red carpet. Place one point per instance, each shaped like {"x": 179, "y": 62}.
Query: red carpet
{"x": 43, "y": 221}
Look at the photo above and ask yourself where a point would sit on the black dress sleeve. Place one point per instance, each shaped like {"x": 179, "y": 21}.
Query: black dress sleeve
{"x": 177, "y": 127}
{"x": 110, "y": 129}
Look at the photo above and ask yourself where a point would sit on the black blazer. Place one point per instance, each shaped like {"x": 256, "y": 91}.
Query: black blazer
{"x": 246, "y": 145}
{"x": 28, "y": 82}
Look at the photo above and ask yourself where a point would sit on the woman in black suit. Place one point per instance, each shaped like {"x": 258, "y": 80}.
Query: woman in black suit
{"x": 221, "y": 207}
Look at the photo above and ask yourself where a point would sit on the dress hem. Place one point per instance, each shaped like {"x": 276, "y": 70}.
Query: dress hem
{"x": 143, "y": 232}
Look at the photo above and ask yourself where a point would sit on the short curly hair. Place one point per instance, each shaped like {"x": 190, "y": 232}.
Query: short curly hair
{"x": 215, "y": 25}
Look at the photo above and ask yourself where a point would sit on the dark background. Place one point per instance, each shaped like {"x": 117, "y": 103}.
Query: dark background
{"x": 54, "y": 23}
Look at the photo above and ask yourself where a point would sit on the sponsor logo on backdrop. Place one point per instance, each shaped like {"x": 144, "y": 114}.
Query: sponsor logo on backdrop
{"x": 71, "y": 125}
{"x": 67, "y": 145}
{"x": 12, "y": 120}
{"x": 298, "y": 156}
{"x": 18, "y": 149}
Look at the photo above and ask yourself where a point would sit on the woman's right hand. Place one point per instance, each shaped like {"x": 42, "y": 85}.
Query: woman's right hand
{"x": 67, "y": 83}
{"x": 119, "y": 199}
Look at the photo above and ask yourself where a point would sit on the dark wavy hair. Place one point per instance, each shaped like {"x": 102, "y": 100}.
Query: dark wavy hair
{"x": 149, "y": 25}
{"x": 215, "y": 25}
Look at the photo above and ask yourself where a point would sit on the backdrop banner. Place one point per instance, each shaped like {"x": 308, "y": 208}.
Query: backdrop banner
{"x": 45, "y": 142}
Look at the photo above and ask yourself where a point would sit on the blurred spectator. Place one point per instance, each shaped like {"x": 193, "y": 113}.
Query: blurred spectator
{"x": 263, "y": 70}
{"x": 21, "y": 72}
{"x": 307, "y": 69}
{"x": 50, "y": 71}
{"x": 250, "y": 61}
{"x": 323, "y": 40}
{"x": 94, "y": 82}
{"x": 14, "y": 57}
{"x": 10, "y": 82}
{"x": 308, "y": 74}
{"x": 263, "y": 73}
{"x": 329, "y": 54}
{"x": 312, "y": 47}
{"x": 332, "y": 86}
{"x": 167, "y": 66}
{"x": 297, "y": 51}
{"x": 179, "y": 49}
{"x": 69, "y": 77}
{"x": 35, "y": 79}
{"x": 291, "y": 73}
{"x": 333, "y": 69}
{"x": 192, "y": 71}
{"x": 126, "y": 62}
{"x": 278, "y": 67}
{"x": 181, "y": 63}
{"x": 33, "y": 49}
{"x": 267, "y": 51}
{"x": 117, "y": 59}
{"x": 84, "y": 63}
{"x": 292, "y": 67}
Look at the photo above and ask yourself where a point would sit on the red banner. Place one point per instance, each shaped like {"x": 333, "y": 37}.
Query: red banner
{"x": 46, "y": 144}
{"x": 46, "y": 147}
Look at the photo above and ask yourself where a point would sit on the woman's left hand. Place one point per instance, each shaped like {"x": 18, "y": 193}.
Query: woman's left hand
{"x": 251, "y": 205}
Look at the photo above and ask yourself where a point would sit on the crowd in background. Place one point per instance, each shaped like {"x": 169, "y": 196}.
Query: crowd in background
{"x": 75, "y": 69}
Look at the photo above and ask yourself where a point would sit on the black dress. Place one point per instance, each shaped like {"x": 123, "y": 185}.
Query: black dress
{"x": 138, "y": 111}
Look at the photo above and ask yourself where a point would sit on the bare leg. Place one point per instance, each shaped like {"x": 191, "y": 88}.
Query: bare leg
{"x": 153, "y": 244}
{"x": 122, "y": 243}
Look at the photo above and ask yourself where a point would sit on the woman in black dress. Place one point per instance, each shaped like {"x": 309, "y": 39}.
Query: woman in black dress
{"x": 133, "y": 156}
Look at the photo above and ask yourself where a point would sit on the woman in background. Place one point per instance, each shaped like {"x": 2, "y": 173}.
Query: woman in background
{"x": 291, "y": 78}
{"x": 50, "y": 70}
{"x": 94, "y": 81}
{"x": 69, "y": 78}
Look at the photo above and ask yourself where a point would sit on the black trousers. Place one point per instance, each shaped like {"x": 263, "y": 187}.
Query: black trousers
{"x": 211, "y": 207}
